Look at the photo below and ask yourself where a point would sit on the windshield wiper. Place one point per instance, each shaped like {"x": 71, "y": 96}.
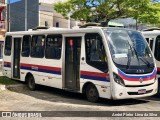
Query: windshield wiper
{"x": 136, "y": 54}
{"x": 129, "y": 57}
{"x": 145, "y": 61}
{"x": 129, "y": 60}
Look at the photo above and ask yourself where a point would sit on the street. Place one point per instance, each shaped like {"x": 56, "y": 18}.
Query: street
{"x": 51, "y": 99}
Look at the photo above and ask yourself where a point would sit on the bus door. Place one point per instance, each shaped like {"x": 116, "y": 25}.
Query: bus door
{"x": 16, "y": 57}
{"x": 72, "y": 62}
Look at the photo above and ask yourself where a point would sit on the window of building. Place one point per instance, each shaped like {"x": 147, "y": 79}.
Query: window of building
{"x": 57, "y": 24}
{"x": 8, "y": 45}
{"x": 95, "y": 52}
{"x": 37, "y": 46}
{"x": 157, "y": 49}
{"x": 53, "y": 46}
{"x": 26, "y": 45}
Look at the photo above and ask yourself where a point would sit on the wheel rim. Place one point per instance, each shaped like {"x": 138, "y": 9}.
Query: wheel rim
{"x": 92, "y": 93}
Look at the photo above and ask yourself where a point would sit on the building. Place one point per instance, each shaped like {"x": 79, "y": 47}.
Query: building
{"x": 132, "y": 24}
{"x": 54, "y": 19}
{"x": 16, "y": 14}
{"x": 2, "y": 24}
{"x": 39, "y": 13}
{"x": 51, "y": 1}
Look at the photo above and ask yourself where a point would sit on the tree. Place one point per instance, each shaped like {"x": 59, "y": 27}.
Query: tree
{"x": 106, "y": 10}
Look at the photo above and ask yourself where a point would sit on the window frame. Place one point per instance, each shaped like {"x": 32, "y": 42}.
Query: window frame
{"x": 29, "y": 46}
{"x": 36, "y": 56}
{"x": 53, "y": 35}
{"x": 155, "y": 49}
{"x": 9, "y": 46}
{"x": 96, "y": 64}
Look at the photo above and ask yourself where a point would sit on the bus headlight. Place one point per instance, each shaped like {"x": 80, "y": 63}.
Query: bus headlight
{"x": 118, "y": 79}
{"x": 155, "y": 79}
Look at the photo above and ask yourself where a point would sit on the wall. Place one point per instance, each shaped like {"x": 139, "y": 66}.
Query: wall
{"x": 17, "y": 15}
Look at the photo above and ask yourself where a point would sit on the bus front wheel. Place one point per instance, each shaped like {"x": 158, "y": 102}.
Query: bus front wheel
{"x": 31, "y": 83}
{"x": 92, "y": 93}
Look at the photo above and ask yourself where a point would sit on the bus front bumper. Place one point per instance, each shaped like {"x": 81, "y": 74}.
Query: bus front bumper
{"x": 121, "y": 92}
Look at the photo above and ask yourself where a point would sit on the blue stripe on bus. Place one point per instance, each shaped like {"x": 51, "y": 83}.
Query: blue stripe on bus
{"x": 41, "y": 70}
{"x": 138, "y": 76}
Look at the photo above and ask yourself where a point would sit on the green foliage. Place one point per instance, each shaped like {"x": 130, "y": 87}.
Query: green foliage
{"x": 105, "y": 10}
{"x": 7, "y": 81}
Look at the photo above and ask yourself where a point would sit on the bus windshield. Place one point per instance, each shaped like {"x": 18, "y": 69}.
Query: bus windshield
{"x": 128, "y": 48}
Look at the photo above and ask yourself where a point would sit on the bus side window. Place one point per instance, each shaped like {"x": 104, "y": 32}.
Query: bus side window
{"x": 26, "y": 46}
{"x": 53, "y": 47}
{"x": 147, "y": 39}
{"x": 157, "y": 49}
{"x": 8, "y": 45}
{"x": 95, "y": 52}
{"x": 151, "y": 44}
{"x": 37, "y": 46}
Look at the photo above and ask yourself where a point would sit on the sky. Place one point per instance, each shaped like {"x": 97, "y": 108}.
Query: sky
{"x": 52, "y": 1}
{"x": 12, "y": 1}
{"x": 43, "y": 1}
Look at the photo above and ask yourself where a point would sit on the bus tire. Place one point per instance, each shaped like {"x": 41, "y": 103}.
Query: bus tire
{"x": 31, "y": 83}
{"x": 92, "y": 93}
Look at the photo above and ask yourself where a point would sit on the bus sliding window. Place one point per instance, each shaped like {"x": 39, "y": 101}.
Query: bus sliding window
{"x": 8, "y": 45}
{"x": 53, "y": 47}
{"x": 95, "y": 52}
{"x": 37, "y": 46}
{"x": 26, "y": 46}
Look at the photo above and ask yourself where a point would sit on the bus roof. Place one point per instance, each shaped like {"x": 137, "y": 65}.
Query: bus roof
{"x": 151, "y": 33}
{"x": 64, "y": 30}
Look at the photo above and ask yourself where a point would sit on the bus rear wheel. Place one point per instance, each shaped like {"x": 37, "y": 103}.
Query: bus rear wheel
{"x": 31, "y": 83}
{"x": 92, "y": 93}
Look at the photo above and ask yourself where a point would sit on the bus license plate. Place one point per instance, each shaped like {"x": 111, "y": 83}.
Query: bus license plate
{"x": 142, "y": 91}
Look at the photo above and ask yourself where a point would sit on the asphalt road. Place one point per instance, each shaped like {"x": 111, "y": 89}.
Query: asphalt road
{"x": 50, "y": 99}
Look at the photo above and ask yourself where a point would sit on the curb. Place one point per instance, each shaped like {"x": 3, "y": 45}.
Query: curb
{"x": 15, "y": 87}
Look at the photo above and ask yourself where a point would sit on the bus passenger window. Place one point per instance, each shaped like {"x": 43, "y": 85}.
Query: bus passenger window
{"x": 53, "y": 47}
{"x": 8, "y": 45}
{"x": 147, "y": 39}
{"x": 151, "y": 44}
{"x": 157, "y": 49}
{"x": 37, "y": 46}
{"x": 95, "y": 52}
{"x": 26, "y": 46}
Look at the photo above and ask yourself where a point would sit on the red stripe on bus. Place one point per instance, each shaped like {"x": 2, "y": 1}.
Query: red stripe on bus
{"x": 88, "y": 73}
{"x": 41, "y": 67}
{"x": 137, "y": 79}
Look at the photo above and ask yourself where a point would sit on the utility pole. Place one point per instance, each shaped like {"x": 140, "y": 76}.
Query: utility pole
{"x": 25, "y": 15}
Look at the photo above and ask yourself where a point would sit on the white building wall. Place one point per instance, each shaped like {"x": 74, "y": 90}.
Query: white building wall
{"x": 51, "y": 1}
{"x": 46, "y": 16}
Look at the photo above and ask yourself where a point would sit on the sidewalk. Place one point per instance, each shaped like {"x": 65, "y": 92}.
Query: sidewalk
{"x": 14, "y": 87}
{"x": 1, "y": 73}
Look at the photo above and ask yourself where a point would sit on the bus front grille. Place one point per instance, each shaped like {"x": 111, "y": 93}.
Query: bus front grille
{"x": 136, "y": 93}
